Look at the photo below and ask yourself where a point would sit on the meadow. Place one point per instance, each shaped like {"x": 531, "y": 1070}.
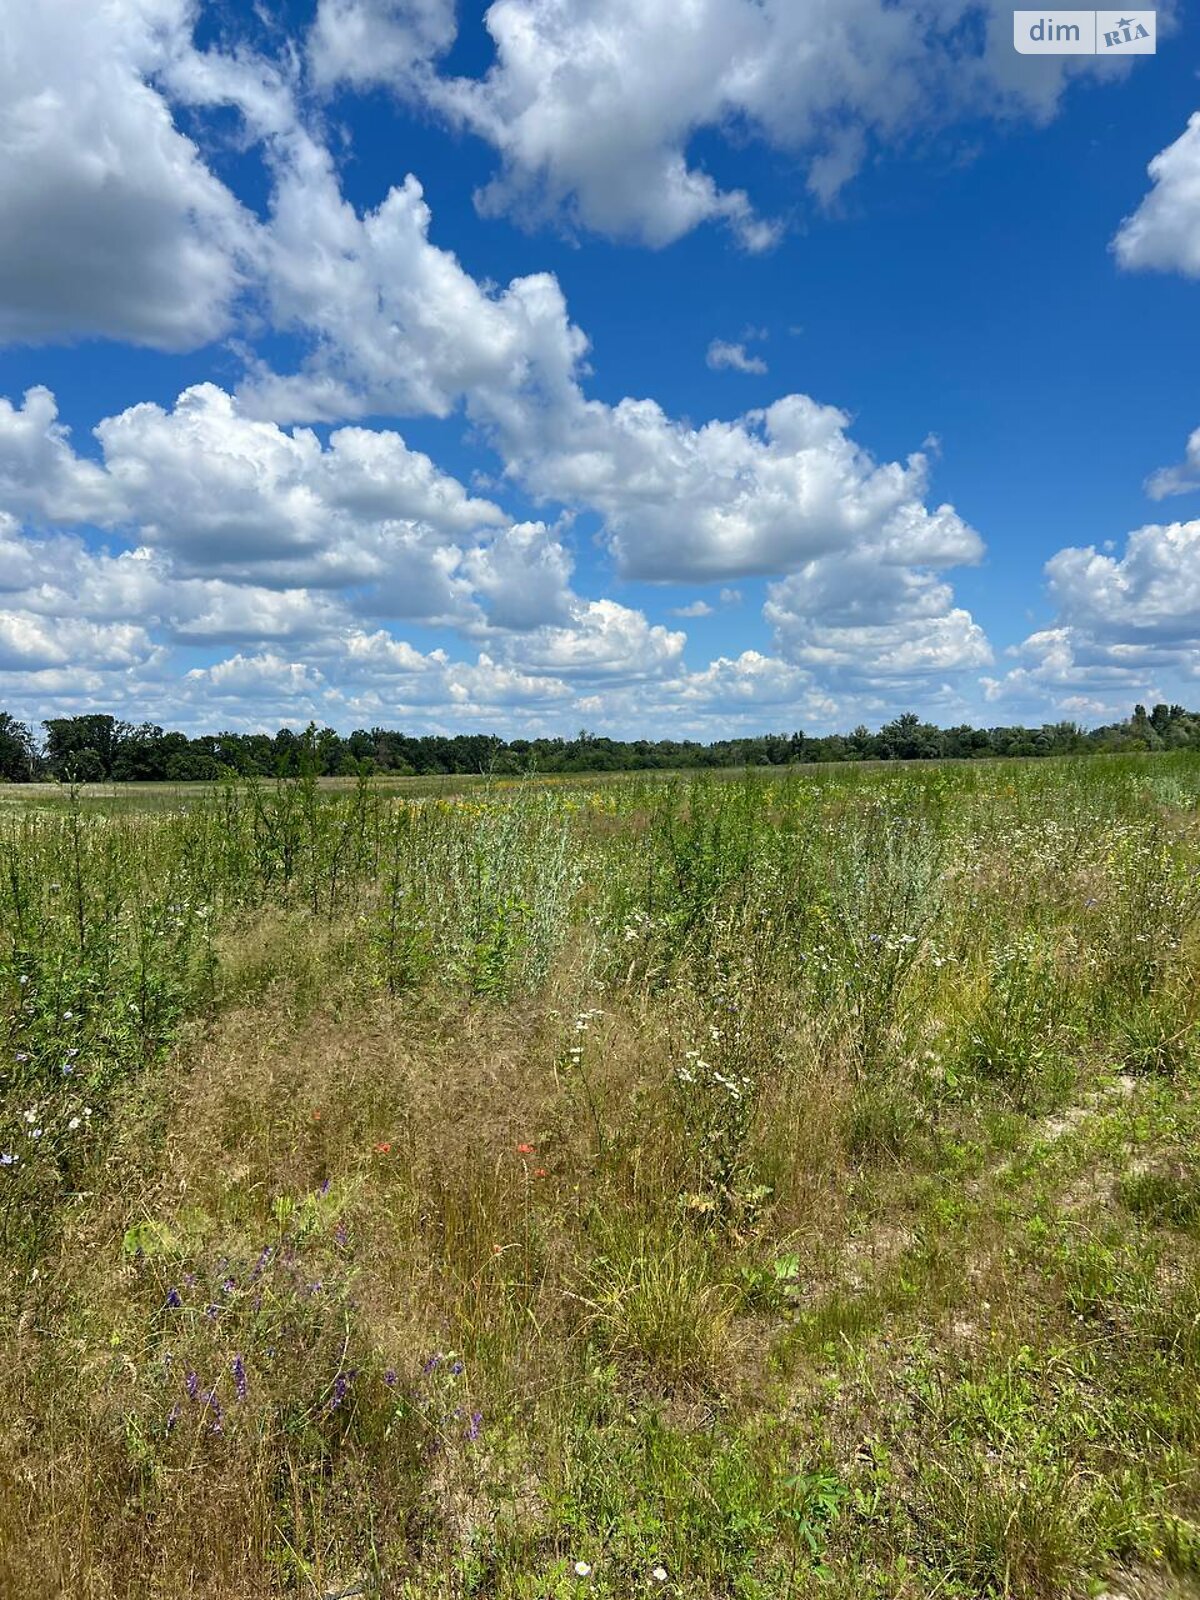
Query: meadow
{"x": 767, "y": 1186}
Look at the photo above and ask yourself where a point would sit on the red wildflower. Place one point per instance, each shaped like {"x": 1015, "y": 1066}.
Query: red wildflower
{"x": 384, "y": 1148}
{"x": 524, "y": 1149}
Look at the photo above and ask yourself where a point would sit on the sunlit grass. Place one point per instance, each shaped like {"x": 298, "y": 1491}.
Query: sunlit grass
{"x": 777, "y": 1184}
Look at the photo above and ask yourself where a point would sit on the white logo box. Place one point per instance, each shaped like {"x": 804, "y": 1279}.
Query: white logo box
{"x": 1085, "y": 33}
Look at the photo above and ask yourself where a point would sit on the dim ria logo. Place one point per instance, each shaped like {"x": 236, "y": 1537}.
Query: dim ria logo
{"x": 1084, "y": 33}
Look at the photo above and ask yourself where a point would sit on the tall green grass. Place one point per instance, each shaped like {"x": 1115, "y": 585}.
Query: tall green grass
{"x": 742, "y": 1186}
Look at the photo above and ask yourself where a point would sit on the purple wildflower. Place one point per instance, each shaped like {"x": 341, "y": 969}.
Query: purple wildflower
{"x": 212, "y": 1312}
{"x": 260, "y": 1265}
{"x": 474, "y": 1427}
{"x": 228, "y": 1286}
{"x": 431, "y": 1362}
{"x": 172, "y": 1416}
{"x": 456, "y": 1369}
{"x": 239, "y": 1378}
{"x": 389, "y": 1377}
{"x": 192, "y": 1384}
{"x": 325, "y": 1187}
{"x": 339, "y": 1235}
{"x": 174, "y": 1299}
{"x": 340, "y": 1385}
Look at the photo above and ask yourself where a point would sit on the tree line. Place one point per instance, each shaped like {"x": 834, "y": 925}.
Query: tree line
{"x": 102, "y": 749}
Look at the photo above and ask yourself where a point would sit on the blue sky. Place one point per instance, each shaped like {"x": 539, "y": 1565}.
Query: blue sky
{"x": 651, "y": 368}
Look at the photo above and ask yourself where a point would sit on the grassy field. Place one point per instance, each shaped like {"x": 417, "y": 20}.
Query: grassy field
{"x": 765, "y": 1188}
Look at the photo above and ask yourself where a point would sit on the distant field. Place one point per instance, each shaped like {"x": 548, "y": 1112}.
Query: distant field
{"x": 771, "y": 1184}
{"x": 113, "y": 797}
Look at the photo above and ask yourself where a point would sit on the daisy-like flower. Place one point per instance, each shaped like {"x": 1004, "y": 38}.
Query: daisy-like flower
{"x": 582, "y": 1569}
{"x": 659, "y": 1574}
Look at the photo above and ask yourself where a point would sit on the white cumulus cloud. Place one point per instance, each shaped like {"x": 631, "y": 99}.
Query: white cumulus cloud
{"x": 1164, "y": 232}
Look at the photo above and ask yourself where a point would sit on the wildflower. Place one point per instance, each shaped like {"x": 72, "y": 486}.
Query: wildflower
{"x": 524, "y": 1149}
{"x": 212, "y": 1312}
{"x": 456, "y": 1369}
{"x": 261, "y": 1263}
{"x": 8, "y": 1159}
{"x": 339, "y": 1235}
{"x": 228, "y": 1286}
{"x": 474, "y": 1427}
{"x": 192, "y": 1384}
{"x": 340, "y": 1385}
{"x": 239, "y": 1378}
{"x": 325, "y": 1187}
{"x": 540, "y": 1172}
{"x": 431, "y": 1362}
{"x": 22, "y": 1055}
{"x": 68, "y": 1016}
{"x": 383, "y": 1148}
{"x": 172, "y": 1416}
{"x": 389, "y": 1377}
{"x": 72, "y": 1125}
{"x": 582, "y": 1569}
{"x": 659, "y": 1574}
{"x": 316, "y": 1116}
{"x": 174, "y": 1299}
{"x": 31, "y": 1114}
{"x": 66, "y": 1069}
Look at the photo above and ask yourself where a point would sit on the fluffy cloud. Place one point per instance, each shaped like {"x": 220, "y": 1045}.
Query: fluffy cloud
{"x": 41, "y": 477}
{"x": 267, "y": 540}
{"x": 1179, "y": 479}
{"x": 141, "y": 241}
{"x": 30, "y": 642}
{"x": 369, "y": 42}
{"x": 1164, "y": 232}
{"x": 603, "y": 640}
{"x": 1127, "y": 628}
{"x": 401, "y": 325}
{"x": 246, "y": 533}
{"x": 723, "y": 356}
{"x": 225, "y": 495}
{"x": 593, "y": 104}
{"x": 393, "y": 323}
{"x": 763, "y": 494}
{"x": 859, "y": 623}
